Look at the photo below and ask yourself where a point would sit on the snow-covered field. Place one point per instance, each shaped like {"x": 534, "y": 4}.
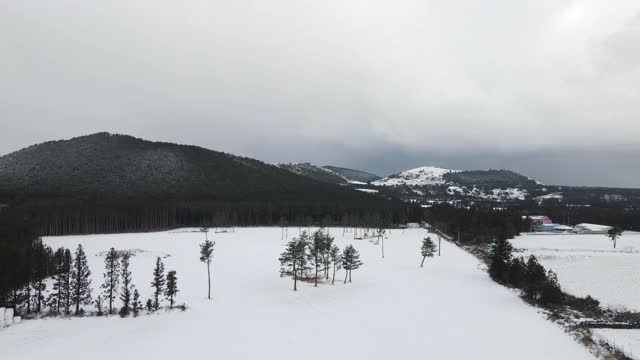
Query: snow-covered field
{"x": 450, "y": 309}
{"x": 589, "y": 265}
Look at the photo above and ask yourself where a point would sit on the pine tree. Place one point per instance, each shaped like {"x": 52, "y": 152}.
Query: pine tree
{"x": 127, "y": 286}
{"x": 149, "y": 305}
{"x": 380, "y": 232}
{"x": 334, "y": 255}
{"x": 350, "y": 261}
{"x": 158, "y": 282}
{"x": 304, "y": 266}
{"x": 80, "y": 281}
{"x": 534, "y": 279}
{"x": 500, "y": 260}
{"x": 294, "y": 258}
{"x": 427, "y": 249}
{"x": 98, "y": 303}
{"x": 517, "y": 272}
{"x": 57, "y": 297}
{"x": 613, "y": 234}
{"x": 172, "y": 287}
{"x": 40, "y": 262}
{"x": 111, "y": 277}
{"x": 316, "y": 249}
{"x": 326, "y": 254}
{"x": 206, "y": 256}
{"x": 135, "y": 304}
{"x": 551, "y": 292}
{"x": 66, "y": 280}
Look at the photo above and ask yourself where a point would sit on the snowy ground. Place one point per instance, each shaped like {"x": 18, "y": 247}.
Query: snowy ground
{"x": 392, "y": 310}
{"x": 589, "y": 265}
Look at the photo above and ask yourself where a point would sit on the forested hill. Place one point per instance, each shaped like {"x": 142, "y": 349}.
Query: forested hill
{"x": 105, "y": 165}
{"x": 113, "y": 183}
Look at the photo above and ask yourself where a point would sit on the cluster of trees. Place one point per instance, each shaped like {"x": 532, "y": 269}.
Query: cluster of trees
{"x": 316, "y": 253}
{"x": 118, "y": 282}
{"x": 71, "y": 288}
{"x": 539, "y": 286}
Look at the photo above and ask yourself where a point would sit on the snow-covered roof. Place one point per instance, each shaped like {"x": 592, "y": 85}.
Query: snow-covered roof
{"x": 593, "y": 227}
{"x": 537, "y": 217}
{"x": 563, "y": 227}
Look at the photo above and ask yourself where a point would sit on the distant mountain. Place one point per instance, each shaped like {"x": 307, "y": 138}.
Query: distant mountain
{"x": 489, "y": 179}
{"x": 353, "y": 175}
{"x": 422, "y": 176}
{"x": 429, "y": 184}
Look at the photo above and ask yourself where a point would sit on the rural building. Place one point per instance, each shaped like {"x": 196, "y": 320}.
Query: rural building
{"x": 586, "y": 228}
{"x": 551, "y": 227}
{"x": 538, "y": 219}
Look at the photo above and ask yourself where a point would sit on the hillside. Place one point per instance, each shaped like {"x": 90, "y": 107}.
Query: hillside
{"x": 123, "y": 166}
{"x": 113, "y": 183}
{"x": 353, "y": 175}
{"x": 315, "y": 172}
{"x": 330, "y": 174}
{"x": 493, "y": 179}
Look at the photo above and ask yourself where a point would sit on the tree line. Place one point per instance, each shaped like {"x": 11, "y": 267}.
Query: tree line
{"x": 538, "y": 285}
{"x": 69, "y": 217}
{"x": 476, "y": 224}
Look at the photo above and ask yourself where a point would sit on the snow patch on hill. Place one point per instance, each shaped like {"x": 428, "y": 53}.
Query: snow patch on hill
{"x": 370, "y": 191}
{"x": 496, "y": 194}
{"x": 551, "y": 196}
{"x": 422, "y": 176}
{"x": 510, "y": 193}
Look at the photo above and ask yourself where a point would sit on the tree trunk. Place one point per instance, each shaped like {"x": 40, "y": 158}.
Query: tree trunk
{"x": 316, "y": 264}
{"x": 346, "y": 275}
{"x": 349, "y": 275}
{"x": 295, "y": 276}
{"x": 28, "y": 299}
{"x": 333, "y": 280}
{"x": 422, "y": 264}
{"x": 40, "y": 297}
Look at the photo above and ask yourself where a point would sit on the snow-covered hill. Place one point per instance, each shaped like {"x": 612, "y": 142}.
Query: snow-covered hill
{"x": 393, "y": 309}
{"x": 433, "y": 182}
{"x": 421, "y": 176}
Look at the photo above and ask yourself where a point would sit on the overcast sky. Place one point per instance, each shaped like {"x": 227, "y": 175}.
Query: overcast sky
{"x": 549, "y": 88}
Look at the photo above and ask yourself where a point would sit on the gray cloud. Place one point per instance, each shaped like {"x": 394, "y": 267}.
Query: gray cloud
{"x": 531, "y": 86}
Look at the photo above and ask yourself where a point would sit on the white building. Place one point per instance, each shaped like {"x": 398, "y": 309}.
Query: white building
{"x": 586, "y": 228}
